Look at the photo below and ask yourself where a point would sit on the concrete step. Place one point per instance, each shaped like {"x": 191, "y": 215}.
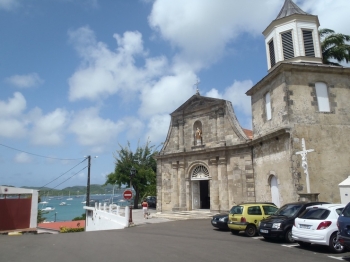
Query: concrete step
{"x": 184, "y": 215}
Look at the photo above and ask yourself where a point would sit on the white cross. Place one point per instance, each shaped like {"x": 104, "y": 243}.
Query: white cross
{"x": 197, "y": 84}
{"x": 303, "y": 154}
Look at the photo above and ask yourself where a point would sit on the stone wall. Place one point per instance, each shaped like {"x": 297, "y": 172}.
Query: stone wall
{"x": 231, "y": 179}
{"x": 328, "y": 165}
{"x": 272, "y": 157}
{"x": 295, "y": 109}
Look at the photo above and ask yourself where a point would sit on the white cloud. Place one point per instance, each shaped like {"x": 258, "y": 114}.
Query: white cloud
{"x": 23, "y": 158}
{"x": 11, "y": 122}
{"x": 158, "y": 127}
{"x": 236, "y": 94}
{"x": 214, "y": 93}
{"x": 329, "y": 12}
{"x": 12, "y": 128}
{"x": 167, "y": 94}
{"x": 104, "y": 72}
{"x": 240, "y": 101}
{"x": 92, "y": 130}
{"x": 25, "y": 81}
{"x": 49, "y": 129}
{"x": 8, "y": 4}
{"x": 202, "y": 28}
{"x": 14, "y": 107}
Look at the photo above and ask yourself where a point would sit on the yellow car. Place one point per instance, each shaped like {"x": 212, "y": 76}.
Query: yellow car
{"x": 246, "y": 217}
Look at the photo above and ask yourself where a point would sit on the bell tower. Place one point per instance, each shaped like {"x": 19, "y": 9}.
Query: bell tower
{"x": 293, "y": 37}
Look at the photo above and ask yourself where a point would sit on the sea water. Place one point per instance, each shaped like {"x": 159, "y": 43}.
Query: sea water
{"x": 74, "y": 207}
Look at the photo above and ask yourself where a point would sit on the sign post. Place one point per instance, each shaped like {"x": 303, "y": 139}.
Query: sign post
{"x": 127, "y": 195}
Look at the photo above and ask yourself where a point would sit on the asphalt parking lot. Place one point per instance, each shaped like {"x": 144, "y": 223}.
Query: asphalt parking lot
{"x": 185, "y": 240}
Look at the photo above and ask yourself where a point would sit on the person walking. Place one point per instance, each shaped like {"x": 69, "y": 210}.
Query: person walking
{"x": 144, "y": 205}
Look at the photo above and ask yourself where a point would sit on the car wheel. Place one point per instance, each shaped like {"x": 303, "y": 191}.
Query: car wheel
{"x": 304, "y": 244}
{"x": 334, "y": 245}
{"x": 234, "y": 232}
{"x": 288, "y": 236}
{"x": 250, "y": 230}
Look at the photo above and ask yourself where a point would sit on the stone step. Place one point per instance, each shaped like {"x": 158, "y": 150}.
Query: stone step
{"x": 184, "y": 215}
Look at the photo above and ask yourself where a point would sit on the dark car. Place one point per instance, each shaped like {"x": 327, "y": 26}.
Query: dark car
{"x": 220, "y": 221}
{"x": 280, "y": 224}
{"x": 152, "y": 201}
{"x": 343, "y": 224}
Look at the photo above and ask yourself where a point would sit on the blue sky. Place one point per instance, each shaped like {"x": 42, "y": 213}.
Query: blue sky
{"x": 79, "y": 77}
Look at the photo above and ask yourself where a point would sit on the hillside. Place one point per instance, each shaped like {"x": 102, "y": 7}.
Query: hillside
{"x": 74, "y": 190}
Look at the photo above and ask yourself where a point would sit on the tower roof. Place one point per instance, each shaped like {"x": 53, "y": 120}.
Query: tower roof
{"x": 290, "y": 8}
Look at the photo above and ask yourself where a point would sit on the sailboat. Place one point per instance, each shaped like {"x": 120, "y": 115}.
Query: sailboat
{"x": 69, "y": 198}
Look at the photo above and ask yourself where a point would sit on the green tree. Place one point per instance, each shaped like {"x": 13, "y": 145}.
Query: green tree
{"x": 334, "y": 46}
{"x": 82, "y": 217}
{"x": 144, "y": 182}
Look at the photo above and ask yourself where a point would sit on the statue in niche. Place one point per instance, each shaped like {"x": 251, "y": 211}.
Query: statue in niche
{"x": 198, "y": 136}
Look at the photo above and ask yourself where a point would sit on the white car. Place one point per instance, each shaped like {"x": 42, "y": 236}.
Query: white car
{"x": 318, "y": 225}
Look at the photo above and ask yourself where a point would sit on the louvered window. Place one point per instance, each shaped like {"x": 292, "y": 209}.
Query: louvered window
{"x": 308, "y": 43}
{"x": 287, "y": 44}
{"x": 272, "y": 53}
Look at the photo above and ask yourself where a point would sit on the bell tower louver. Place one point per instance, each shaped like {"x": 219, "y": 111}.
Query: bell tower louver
{"x": 293, "y": 37}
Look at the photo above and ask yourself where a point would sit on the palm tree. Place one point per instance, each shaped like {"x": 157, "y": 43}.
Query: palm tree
{"x": 334, "y": 46}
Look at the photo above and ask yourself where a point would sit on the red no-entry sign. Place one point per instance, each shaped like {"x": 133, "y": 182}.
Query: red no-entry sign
{"x": 127, "y": 195}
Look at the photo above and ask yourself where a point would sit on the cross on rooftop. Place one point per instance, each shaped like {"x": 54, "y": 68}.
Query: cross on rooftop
{"x": 197, "y": 84}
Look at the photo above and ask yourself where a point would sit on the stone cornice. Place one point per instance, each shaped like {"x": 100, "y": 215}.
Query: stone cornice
{"x": 303, "y": 67}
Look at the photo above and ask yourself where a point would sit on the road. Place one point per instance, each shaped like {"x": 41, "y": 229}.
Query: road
{"x": 187, "y": 240}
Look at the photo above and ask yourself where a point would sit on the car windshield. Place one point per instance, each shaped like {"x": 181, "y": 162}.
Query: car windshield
{"x": 236, "y": 210}
{"x": 315, "y": 213}
{"x": 346, "y": 211}
{"x": 288, "y": 210}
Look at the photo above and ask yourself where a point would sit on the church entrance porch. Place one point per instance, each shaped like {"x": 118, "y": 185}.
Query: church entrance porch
{"x": 200, "y": 194}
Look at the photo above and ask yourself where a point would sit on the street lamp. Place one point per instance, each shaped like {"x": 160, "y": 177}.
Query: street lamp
{"x": 132, "y": 174}
{"x": 113, "y": 191}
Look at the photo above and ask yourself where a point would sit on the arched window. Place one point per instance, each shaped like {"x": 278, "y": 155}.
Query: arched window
{"x": 275, "y": 194}
{"x": 200, "y": 173}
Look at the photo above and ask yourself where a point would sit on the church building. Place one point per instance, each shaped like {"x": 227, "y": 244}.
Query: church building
{"x": 299, "y": 147}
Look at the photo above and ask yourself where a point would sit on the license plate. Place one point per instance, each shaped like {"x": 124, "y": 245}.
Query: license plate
{"x": 214, "y": 222}
{"x": 264, "y": 231}
{"x": 234, "y": 219}
{"x": 305, "y": 226}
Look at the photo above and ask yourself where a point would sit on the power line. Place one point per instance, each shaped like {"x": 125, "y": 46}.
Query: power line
{"x": 62, "y": 174}
{"x": 70, "y": 177}
{"x": 65, "y": 180}
{"x": 39, "y": 155}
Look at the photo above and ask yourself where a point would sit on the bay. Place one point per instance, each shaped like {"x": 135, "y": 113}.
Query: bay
{"x": 73, "y": 206}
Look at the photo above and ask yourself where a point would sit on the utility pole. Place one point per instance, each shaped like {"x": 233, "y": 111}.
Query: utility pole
{"x": 88, "y": 183}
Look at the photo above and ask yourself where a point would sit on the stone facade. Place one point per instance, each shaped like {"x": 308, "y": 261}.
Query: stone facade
{"x": 299, "y": 100}
{"x": 213, "y": 172}
{"x": 295, "y": 115}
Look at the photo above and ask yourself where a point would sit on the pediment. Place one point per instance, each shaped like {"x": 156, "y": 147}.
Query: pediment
{"x": 197, "y": 102}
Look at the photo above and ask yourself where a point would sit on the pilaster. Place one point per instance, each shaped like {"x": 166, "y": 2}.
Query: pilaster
{"x": 214, "y": 185}
{"x": 223, "y": 186}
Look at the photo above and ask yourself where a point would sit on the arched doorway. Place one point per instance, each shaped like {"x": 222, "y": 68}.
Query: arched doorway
{"x": 200, "y": 188}
{"x": 275, "y": 194}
